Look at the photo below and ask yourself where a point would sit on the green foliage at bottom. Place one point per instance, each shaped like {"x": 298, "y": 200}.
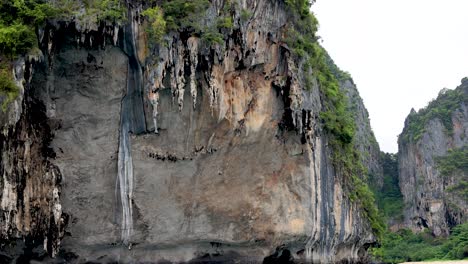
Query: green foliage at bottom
{"x": 407, "y": 246}
{"x": 367, "y": 200}
{"x": 389, "y": 197}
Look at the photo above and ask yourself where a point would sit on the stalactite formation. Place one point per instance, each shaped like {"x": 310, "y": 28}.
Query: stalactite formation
{"x": 238, "y": 166}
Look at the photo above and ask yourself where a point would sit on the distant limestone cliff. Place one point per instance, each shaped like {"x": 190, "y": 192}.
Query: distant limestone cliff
{"x": 433, "y": 163}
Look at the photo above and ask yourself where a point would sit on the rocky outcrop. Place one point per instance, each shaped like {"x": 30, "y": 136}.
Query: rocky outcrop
{"x": 431, "y": 136}
{"x": 30, "y": 208}
{"x": 189, "y": 151}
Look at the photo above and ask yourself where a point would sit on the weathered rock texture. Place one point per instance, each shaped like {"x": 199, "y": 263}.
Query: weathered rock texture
{"x": 364, "y": 138}
{"x": 30, "y": 209}
{"x": 428, "y": 201}
{"x": 240, "y": 168}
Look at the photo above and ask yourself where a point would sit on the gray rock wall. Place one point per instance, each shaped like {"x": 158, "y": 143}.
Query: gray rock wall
{"x": 364, "y": 139}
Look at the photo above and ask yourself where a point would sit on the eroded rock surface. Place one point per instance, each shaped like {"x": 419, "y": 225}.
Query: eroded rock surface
{"x": 30, "y": 209}
{"x": 229, "y": 163}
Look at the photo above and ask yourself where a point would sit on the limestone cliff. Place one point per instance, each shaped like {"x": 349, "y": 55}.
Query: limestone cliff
{"x": 364, "y": 138}
{"x": 433, "y": 163}
{"x": 191, "y": 150}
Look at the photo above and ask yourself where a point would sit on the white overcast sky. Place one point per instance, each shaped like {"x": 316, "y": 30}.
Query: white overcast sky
{"x": 400, "y": 53}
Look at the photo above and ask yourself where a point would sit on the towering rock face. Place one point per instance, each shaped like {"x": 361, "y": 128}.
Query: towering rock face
{"x": 239, "y": 167}
{"x": 433, "y": 163}
{"x": 364, "y": 139}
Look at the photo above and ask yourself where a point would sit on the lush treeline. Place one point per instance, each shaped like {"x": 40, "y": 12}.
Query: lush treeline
{"x": 402, "y": 246}
{"x": 20, "y": 19}
{"x": 173, "y": 16}
{"x": 406, "y": 246}
{"x": 17, "y": 36}
{"x": 185, "y": 16}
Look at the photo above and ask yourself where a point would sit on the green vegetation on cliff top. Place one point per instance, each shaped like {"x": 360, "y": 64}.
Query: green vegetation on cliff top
{"x": 173, "y": 16}
{"x": 19, "y": 20}
{"x": 180, "y": 15}
{"x": 441, "y": 108}
{"x": 92, "y": 11}
{"x": 184, "y": 14}
{"x": 157, "y": 24}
